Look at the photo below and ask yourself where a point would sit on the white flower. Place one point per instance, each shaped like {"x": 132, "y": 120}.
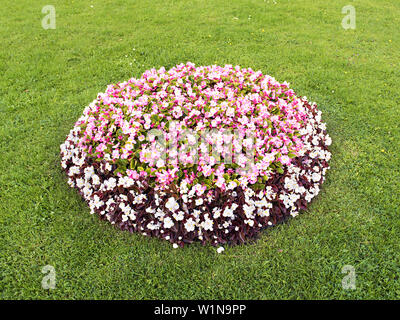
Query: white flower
{"x": 95, "y": 180}
{"x": 309, "y": 197}
{"x": 249, "y": 193}
{"x": 190, "y": 225}
{"x": 228, "y": 212}
{"x": 153, "y": 226}
{"x": 208, "y": 224}
{"x": 110, "y": 202}
{"x": 328, "y": 140}
{"x": 183, "y": 187}
{"x": 89, "y": 171}
{"x": 150, "y": 210}
{"x": 231, "y": 185}
{"x": 80, "y": 183}
{"x": 168, "y": 223}
{"x": 125, "y": 209}
{"x": 78, "y": 161}
{"x": 220, "y": 249}
{"x": 327, "y": 155}
{"x": 216, "y": 213}
{"x": 179, "y": 216}
{"x": 290, "y": 184}
{"x": 87, "y": 191}
{"x": 313, "y": 154}
{"x": 97, "y": 202}
{"x": 199, "y": 202}
{"x": 230, "y": 112}
{"x": 175, "y": 246}
{"x": 73, "y": 170}
{"x": 248, "y": 210}
{"x": 110, "y": 184}
{"x": 71, "y": 182}
{"x": 316, "y": 176}
{"x": 132, "y": 215}
{"x": 159, "y": 213}
{"x": 108, "y": 167}
{"x": 172, "y": 205}
{"x": 160, "y": 163}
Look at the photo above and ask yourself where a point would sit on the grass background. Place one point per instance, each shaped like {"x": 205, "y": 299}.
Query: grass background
{"x": 49, "y": 76}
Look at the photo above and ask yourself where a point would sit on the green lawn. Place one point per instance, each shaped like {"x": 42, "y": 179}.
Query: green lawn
{"x": 49, "y": 76}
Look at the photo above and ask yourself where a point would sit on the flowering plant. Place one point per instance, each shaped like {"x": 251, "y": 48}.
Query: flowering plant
{"x": 198, "y": 153}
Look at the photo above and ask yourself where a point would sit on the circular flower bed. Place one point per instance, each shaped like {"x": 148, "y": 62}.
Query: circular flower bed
{"x": 211, "y": 153}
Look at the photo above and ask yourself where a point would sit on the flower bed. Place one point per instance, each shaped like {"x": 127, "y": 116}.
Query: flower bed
{"x": 212, "y": 153}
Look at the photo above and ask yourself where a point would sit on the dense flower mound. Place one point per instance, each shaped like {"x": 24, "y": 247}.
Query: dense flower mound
{"x": 211, "y": 153}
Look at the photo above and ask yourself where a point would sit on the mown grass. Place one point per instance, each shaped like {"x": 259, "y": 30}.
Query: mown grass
{"x": 49, "y": 76}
